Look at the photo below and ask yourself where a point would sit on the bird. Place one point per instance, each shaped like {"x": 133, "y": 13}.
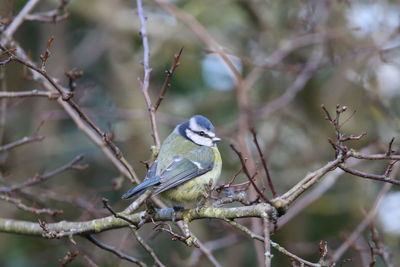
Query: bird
{"x": 188, "y": 162}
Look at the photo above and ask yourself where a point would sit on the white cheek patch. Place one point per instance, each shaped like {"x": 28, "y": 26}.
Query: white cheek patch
{"x": 200, "y": 140}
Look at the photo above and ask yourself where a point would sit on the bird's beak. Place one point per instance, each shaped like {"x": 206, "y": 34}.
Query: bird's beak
{"x": 216, "y": 139}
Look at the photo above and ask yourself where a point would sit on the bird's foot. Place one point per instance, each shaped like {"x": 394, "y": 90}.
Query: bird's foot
{"x": 178, "y": 208}
{"x": 202, "y": 203}
{"x": 175, "y": 210}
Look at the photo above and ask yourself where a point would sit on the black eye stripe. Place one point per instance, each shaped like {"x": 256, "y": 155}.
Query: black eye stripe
{"x": 198, "y": 132}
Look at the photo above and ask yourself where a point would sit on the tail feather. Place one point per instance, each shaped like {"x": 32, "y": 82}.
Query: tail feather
{"x": 141, "y": 188}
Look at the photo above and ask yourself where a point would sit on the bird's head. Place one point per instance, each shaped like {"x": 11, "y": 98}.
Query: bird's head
{"x": 199, "y": 130}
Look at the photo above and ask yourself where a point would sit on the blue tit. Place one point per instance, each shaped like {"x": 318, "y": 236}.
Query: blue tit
{"x": 188, "y": 161}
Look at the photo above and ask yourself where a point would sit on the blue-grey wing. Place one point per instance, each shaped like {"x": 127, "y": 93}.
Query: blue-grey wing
{"x": 150, "y": 180}
{"x": 183, "y": 169}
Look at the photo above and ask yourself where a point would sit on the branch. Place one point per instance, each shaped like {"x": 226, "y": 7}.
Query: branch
{"x": 267, "y": 242}
{"x": 148, "y": 249}
{"x": 167, "y": 80}
{"x": 138, "y": 202}
{"x": 65, "y": 228}
{"x": 359, "y": 155}
{"x": 115, "y": 251}
{"x": 305, "y": 183}
{"x": 41, "y": 178}
{"x": 18, "y": 203}
{"x": 19, "y": 19}
{"x": 69, "y": 257}
{"x": 294, "y": 88}
{"x": 361, "y": 227}
{"x": 83, "y": 122}
{"x": 246, "y": 171}
{"x": 21, "y": 142}
{"x": 116, "y": 215}
{"x": 254, "y": 236}
{"x": 376, "y": 177}
{"x": 203, "y": 35}
{"x": 264, "y": 163}
{"x": 146, "y": 77}
{"x": 50, "y": 95}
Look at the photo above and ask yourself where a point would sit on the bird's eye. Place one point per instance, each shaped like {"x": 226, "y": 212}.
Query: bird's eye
{"x": 201, "y": 133}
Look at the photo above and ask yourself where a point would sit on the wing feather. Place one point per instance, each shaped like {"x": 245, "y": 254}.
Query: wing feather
{"x": 181, "y": 170}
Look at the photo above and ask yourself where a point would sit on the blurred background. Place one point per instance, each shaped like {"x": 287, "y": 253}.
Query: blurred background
{"x": 351, "y": 50}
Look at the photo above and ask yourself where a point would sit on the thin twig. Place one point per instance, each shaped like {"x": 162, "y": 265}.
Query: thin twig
{"x": 246, "y": 171}
{"x": 264, "y": 163}
{"x": 148, "y": 249}
{"x": 219, "y": 188}
{"x": 21, "y": 142}
{"x": 115, "y": 251}
{"x": 359, "y": 155}
{"x": 167, "y": 80}
{"x": 116, "y": 215}
{"x": 376, "y": 177}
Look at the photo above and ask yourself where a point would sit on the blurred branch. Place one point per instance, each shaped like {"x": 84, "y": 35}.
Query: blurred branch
{"x": 18, "y": 203}
{"x": 19, "y": 19}
{"x": 41, "y": 178}
{"x": 337, "y": 254}
{"x": 298, "y": 84}
{"x": 21, "y": 142}
{"x": 69, "y": 257}
{"x": 223, "y": 242}
{"x": 52, "y": 16}
{"x": 148, "y": 249}
{"x": 203, "y": 34}
{"x": 115, "y": 251}
{"x": 380, "y": 248}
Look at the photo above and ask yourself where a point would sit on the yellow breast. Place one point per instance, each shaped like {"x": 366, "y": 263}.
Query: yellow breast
{"x": 194, "y": 189}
